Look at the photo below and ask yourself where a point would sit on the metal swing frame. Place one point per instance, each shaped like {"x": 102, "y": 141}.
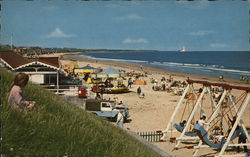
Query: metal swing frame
{"x": 238, "y": 121}
{"x": 227, "y": 89}
{"x": 197, "y": 105}
{"x": 226, "y": 92}
{"x": 206, "y": 88}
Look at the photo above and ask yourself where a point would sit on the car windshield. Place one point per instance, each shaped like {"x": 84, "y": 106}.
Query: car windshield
{"x": 120, "y": 107}
{"x": 104, "y": 104}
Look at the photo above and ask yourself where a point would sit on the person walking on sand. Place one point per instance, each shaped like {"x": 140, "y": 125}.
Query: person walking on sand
{"x": 120, "y": 119}
{"x": 16, "y": 99}
{"x": 141, "y": 68}
{"x": 139, "y": 90}
{"x": 130, "y": 82}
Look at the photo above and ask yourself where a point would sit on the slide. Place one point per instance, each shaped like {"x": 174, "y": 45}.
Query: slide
{"x": 180, "y": 129}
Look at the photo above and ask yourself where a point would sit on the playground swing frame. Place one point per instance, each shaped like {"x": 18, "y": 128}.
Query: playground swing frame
{"x": 245, "y": 103}
{"x": 191, "y": 116}
{"x": 238, "y": 121}
{"x": 226, "y": 92}
{"x": 206, "y": 88}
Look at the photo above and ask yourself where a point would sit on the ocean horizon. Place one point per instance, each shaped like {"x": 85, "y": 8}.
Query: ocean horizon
{"x": 230, "y": 64}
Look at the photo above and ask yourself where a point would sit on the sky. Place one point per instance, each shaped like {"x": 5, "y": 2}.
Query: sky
{"x": 141, "y": 25}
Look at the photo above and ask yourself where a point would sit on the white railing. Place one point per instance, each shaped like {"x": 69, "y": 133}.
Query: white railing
{"x": 71, "y": 90}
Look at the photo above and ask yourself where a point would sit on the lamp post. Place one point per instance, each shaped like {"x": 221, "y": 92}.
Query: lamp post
{"x": 11, "y": 41}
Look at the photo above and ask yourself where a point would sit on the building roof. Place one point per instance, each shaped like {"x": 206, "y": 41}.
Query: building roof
{"x": 52, "y": 61}
{"x": 12, "y": 60}
{"x": 15, "y": 61}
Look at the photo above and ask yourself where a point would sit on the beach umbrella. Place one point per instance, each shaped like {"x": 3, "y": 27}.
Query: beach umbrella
{"x": 85, "y": 69}
{"x": 109, "y": 73}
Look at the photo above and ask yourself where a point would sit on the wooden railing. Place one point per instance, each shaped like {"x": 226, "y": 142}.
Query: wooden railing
{"x": 154, "y": 136}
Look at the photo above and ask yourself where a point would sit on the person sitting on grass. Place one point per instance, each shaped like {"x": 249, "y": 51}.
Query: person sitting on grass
{"x": 16, "y": 99}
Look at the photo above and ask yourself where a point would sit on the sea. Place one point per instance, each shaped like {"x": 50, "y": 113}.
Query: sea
{"x": 230, "y": 64}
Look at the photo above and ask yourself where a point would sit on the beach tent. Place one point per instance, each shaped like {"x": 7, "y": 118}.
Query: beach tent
{"x": 109, "y": 73}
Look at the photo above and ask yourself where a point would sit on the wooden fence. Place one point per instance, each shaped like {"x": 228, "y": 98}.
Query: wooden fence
{"x": 154, "y": 136}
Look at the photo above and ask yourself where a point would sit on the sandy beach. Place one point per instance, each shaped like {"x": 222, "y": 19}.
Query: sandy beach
{"x": 153, "y": 112}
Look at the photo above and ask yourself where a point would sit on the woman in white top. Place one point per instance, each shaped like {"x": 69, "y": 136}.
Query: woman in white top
{"x": 202, "y": 121}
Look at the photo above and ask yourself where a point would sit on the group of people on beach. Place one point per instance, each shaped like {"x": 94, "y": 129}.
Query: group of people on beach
{"x": 169, "y": 85}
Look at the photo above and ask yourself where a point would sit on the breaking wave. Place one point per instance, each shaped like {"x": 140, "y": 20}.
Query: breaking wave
{"x": 201, "y": 67}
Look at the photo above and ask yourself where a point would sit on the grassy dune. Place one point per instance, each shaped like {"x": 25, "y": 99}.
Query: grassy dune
{"x": 56, "y": 127}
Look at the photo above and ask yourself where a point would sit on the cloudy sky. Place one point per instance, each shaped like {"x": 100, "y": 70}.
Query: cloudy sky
{"x": 154, "y": 25}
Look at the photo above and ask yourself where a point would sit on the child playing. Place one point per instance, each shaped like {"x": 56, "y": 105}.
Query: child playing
{"x": 16, "y": 99}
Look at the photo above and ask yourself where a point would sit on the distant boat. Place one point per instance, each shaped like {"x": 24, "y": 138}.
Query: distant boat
{"x": 183, "y": 49}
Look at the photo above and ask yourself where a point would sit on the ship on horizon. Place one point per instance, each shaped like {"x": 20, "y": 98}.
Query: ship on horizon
{"x": 183, "y": 49}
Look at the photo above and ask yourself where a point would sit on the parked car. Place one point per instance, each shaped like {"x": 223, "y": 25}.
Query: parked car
{"x": 106, "y": 109}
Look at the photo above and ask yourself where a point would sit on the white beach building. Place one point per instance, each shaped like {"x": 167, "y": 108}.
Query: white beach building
{"x": 41, "y": 70}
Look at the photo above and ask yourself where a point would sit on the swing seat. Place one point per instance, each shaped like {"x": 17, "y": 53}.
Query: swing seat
{"x": 203, "y": 135}
{"x": 180, "y": 129}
